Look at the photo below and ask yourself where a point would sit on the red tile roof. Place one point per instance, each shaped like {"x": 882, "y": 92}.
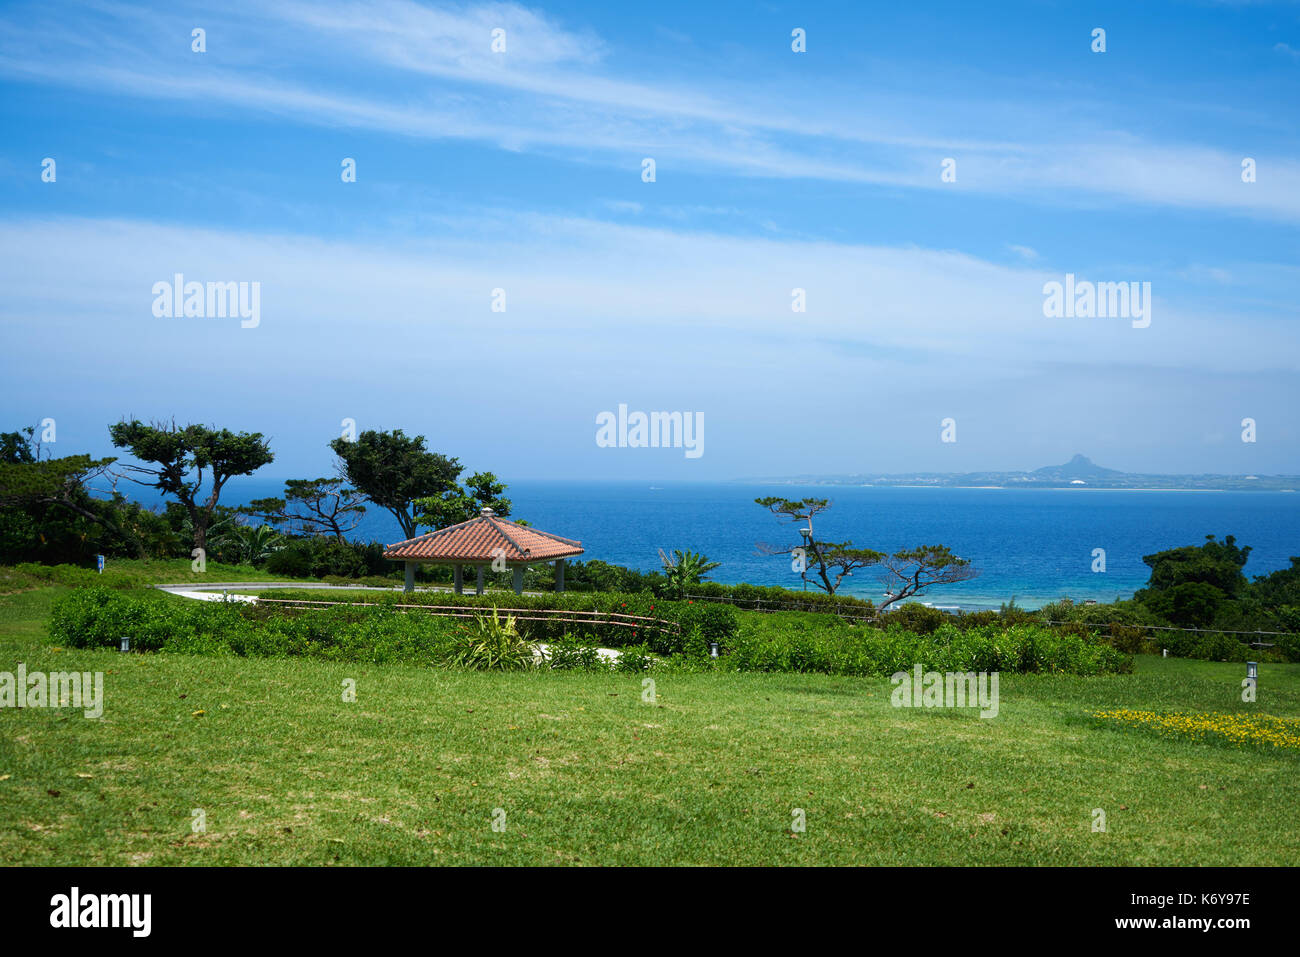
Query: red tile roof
{"x": 483, "y": 539}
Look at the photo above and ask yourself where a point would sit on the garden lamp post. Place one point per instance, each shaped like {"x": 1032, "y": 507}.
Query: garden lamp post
{"x": 807, "y": 537}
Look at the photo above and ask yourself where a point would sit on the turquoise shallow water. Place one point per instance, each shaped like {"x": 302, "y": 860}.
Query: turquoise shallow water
{"x": 1034, "y": 544}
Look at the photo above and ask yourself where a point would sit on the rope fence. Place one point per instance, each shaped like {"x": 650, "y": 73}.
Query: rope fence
{"x": 617, "y": 619}
{"x": 756, "y": 604}
{"x": 623, "y": 620}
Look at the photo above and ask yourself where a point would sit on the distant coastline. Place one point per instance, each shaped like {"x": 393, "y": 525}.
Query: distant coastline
{"x": 1064, "y": 488}
{"x": 1079, "y": 473}
{"x": 1023, "y": 487}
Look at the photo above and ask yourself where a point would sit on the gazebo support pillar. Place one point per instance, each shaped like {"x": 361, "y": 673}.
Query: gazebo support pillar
{"x": 519, "y": 579}
{"x": 559, "y": 574}
{"x": 478, "y": 584}
{"x": 410, "y": 577}
{"x": 458, "y": 579}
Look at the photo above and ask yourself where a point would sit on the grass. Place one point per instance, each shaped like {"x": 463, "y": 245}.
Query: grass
{"x": 586, "y": 772}
{"x": 425, "y": 593}
{"x": 131, "y": 573}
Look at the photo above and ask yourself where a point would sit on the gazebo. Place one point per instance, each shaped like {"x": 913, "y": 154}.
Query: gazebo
{"x": 483, "y": 541}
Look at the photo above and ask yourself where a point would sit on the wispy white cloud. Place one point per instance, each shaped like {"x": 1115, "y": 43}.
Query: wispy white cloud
{"x": 400, "y": 67}
{"x": 609, "y": 285}
{"x": 399, "y": 331}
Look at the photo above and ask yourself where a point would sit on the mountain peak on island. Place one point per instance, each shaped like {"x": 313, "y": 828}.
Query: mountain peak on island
{"x": 1079, "y": 467}
{"x": 1079, "y": 472}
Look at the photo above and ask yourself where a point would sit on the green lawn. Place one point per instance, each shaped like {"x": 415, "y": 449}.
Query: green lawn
{"x": 587, "y": 773}
{"x": 131, "y": 573}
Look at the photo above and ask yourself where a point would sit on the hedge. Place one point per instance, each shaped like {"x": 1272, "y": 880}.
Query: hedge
{"x": 671, "y": 627}
{"x": 755, "y": 597}
{"x": 826, "y": 644}
{"x": 99, "y": 617}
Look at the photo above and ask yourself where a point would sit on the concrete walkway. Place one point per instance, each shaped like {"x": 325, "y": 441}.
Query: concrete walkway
{"x": 177, "y": 589}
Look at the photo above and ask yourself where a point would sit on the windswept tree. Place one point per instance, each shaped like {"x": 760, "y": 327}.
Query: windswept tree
{"x": 323, "y": 506}
{"x": 179, "y": 460}
{"x": 829, "y": 562}
{"x": 1191, "y": 586}
{"x": 31, "y": 483}
{"x": 419, "y": 487}
{"x": 1216, "y": 563}
{"x": 911, "y": 571}
{"x": 19, "y": 447}
{"x": 904, "y": 573}
{"x": 685, "y": 568}
{"x": 457, "y": 504}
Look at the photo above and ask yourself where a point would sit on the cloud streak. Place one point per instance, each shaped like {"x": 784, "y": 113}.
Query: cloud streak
{"x": 402, "y": 68}
{"x": 401, "y": 332}
{"x": 600, "y": 282}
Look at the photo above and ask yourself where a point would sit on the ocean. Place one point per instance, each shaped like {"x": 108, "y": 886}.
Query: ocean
{"x": 1034, "y": 545}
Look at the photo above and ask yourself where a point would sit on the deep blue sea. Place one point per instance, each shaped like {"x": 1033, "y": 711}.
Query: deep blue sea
{"x": 1036, "y": 545}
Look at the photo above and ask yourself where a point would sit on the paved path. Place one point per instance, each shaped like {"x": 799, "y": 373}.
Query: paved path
{"x": 191, "y": 590}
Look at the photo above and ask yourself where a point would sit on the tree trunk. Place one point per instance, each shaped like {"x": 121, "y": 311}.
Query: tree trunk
{"x": 200, "y": 525}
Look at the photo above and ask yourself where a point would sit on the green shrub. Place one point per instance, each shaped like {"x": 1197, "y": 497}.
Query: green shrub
{"x": 493, "y": 644}
{"x": 1217, "y": 647}
{"x": 1097, "y": 617}
{"x": 634, "y": 659}
{"x": 776, "y": 599}
{"x": 1129, "y": 640}
{"x": 1287, "y": 647}
{"x": 915, "y": 617}
{"x": 575, "y": 654}
{"x": 975, "y": 619}
{"x": 1210, "y": 646}
{"x": 99, "y": 617}
{"x": 826, "y": 644}
{"x": 751, "y": 641}
{"x": 704, "y": 622}
{"x": 319, "y": 557}
{"x": 665, "y": 627}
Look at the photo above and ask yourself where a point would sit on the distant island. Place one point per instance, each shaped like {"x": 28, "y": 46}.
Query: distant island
{"x": 1079, "y": 472}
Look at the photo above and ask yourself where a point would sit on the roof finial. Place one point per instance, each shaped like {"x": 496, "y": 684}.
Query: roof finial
{"x": 486, "y": 511}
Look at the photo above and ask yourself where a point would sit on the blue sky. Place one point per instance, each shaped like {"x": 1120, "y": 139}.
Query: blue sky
{"x": 775, "y": 170}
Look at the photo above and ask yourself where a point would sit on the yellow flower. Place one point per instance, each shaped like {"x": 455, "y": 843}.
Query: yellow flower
{"x": 1233, "y": 728}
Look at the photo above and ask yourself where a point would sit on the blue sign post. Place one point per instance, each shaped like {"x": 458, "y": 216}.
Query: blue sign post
{"x": 99, "y": 562}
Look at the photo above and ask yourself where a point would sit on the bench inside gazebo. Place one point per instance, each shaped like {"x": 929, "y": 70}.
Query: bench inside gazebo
{"x": 488, "y": 541}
